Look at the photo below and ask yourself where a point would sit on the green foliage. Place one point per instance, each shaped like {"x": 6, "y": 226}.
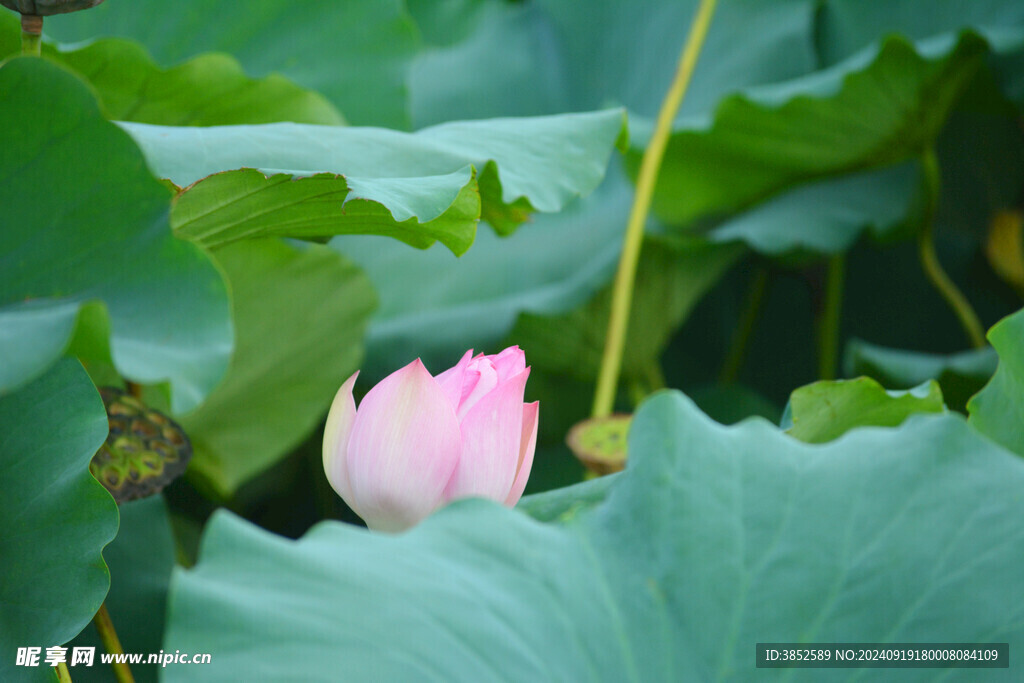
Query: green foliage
{"x": 672, "y": 276}
{"x": 998, "y": 410}
{"x": 875, "y": 109}
{"x": 75, "y": 190}
{"x": 501, "y": 59}
{"x": 209, "y": 90}
{"x": 825, "y": 216}
{"x": 140, "y": 561}
{"x": 960, "y": 375}
{"x": 824, "y": 411}
{"x": 839, "y": 182}
{"x": 56, "y": 518}
{"x": 300, "y": 317}
{"x": 431, "y": 304}
{"x": 730, "y": 403}
{"x": 537, "y": 58}
{"x": 879, "y": 514}
{"x": 404, "y": 180}
{"x": 846, "y": 25}
{"x": 479, "y": 592}
{"x": 355, "y": 53}
{"x": 243, "y": 204}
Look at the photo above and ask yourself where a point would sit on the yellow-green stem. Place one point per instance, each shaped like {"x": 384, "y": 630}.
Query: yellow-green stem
{"x": 112, "y": 644}
{"x": 744, "y": 327}
{"x": 622, "y": 293}
{"x": 63, "y": 675}
{"x": 930, "y": 261}
{"x": 31, "y": 34}
{"x": 828, "y": 322}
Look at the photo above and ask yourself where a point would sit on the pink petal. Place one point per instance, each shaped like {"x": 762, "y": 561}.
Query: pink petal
{"x": 529, "y": 445}
{"x": 491, "y": 434}
{"x": 481, "y": 378}
{"x": 336, "y": 435}
{"x": 404, "y": 446}
{"x": 452, "y": 379}
{"x": 509, "y": 363}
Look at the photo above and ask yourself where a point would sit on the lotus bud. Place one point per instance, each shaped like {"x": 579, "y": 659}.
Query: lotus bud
{"x": 419, "y": 441}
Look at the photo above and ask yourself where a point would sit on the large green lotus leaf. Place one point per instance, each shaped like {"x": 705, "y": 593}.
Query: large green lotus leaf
{"x": 982, "y": 163}
{"x": 444, "y": 23}
{"x": 846, "y": 26}
{"x": 505, "y": 58}
{"x": 300, "y": 318}
{"x": 511, "y": 45}
{"x": 140, "y": 561}
{"x": 628, "y": 53}
{"x": 998, "y": 410}
{"x": 243, "y": 204}
{"x": 551, "y": 56}
{"x": 432, "y": 305}
{"x": 56, "y": 518}
{"x": 826, "y": 410}
{"x": 499, "y": 61}
{"x": 407, "y": 181}
{"x": 825, "y": 216}
{"x": 877, "y": 108}
{"x": 960, "y": 375}
{"x": 209, "y": 90}
{"x": 672, "y": 275}
{"x": 713, "y": 537}
{"x": 979, "y": 154}
{"x": 84, "y": 220}
{"x": 356, "y": 53}
{"x": 887, "y": 299}
{"x": 532, "y": 45}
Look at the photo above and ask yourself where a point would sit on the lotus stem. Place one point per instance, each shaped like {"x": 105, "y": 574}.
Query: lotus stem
{"x": 745, "y": 327}
{"x": 31, "y": 34}
{"x": 63, "y": 675}
{"x": 112, "y": 644}
{"x": 622, "y": 292}
{"x": 828, "y": 323}
{"x": 932, "y": 178}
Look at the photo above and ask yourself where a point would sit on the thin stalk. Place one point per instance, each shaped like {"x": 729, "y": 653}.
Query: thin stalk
{"x": 622, "y": 293}
{"x": 63, "y": 675}
{"x": 31, "y": 34}
{"x": 828, "y": 323}
{"x": 745, "y": 327}
{"x": 930, "y": 261}
{"x": 112, "y": 644}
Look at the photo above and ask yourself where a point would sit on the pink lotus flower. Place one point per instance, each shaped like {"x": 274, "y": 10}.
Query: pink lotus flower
{"x": 418, "y": 442}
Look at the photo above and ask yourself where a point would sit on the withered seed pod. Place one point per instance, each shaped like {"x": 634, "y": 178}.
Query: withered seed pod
{"x": 145, "y": 450}
{"x": 44, "y": 8}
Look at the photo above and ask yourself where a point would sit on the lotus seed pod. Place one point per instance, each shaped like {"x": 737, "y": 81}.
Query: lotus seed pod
{"x": 145, "y": 450}
{"x": 600, "y": 443}
{"x": 45, "y": 8}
